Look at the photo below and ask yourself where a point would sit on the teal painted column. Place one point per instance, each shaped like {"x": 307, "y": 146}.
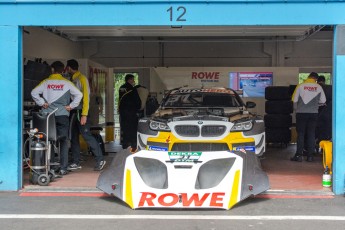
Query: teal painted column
{"x": 11, "y": 109}
{"x": 339, "y": 111}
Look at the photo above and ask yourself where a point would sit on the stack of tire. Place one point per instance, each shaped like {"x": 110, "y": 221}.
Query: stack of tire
{"x": 278, "y": 118}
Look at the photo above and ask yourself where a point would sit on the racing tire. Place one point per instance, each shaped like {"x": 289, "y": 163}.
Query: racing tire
{"x": 278, "y": 120}
{"x": 277, "y": 93}
{"x": 278, "y": 135}
{"x": 278, "y": 107}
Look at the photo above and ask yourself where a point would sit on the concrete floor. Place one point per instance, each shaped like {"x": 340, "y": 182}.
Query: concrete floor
{"x": 283, "y": 174}
{"x": 290, "y": 175}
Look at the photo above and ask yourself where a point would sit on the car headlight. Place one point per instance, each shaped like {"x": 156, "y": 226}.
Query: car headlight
{"x": 242, "y": 126}
{"x": 159, "y": 126}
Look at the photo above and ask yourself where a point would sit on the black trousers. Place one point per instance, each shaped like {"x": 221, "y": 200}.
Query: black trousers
{"x": 84, "y": 130}
{"x": 305, "y": 127}
{"x": 324, "y": 124}
{"x": 129, "y": 127}
{"x": 62, "y": 127}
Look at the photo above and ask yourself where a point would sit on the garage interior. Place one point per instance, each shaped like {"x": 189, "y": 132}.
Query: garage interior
{"x": 145, "y": 50}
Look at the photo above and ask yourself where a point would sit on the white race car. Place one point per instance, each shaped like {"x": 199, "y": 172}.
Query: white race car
{"x": 206, "y": 119}
{"x": 199, "y": 150}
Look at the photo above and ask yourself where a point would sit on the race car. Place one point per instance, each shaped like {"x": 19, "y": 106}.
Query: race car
{"x": 202, "y": 119}
{"x": 199, "y": 150}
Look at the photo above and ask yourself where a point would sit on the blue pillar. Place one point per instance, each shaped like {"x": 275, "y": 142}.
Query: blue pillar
{"x": 339, "y": 111}
{"x": 11, "y": 111}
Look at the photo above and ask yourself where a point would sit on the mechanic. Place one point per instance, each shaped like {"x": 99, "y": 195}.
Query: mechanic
{"x": 128, "y": 106}
{"x": 56, "y": 93}
{"x": 80, "y": 122}
{"x": 324, "y": 121}
{"x": 307, "y": 97}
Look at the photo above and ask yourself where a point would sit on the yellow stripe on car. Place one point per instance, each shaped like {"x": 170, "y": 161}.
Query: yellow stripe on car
{"x": 129, "y": 195}
{"x": 235, "y": 189}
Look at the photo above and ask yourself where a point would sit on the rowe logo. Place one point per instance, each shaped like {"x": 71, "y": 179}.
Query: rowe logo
{"x": 310, "y": 88}
{"x": 56, "y": 87}
{"x": 206, "y": 75}
{"x": 150, "y": 199}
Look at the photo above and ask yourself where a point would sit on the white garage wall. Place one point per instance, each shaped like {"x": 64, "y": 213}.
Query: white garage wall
{"x": 38, "y": 43}
{"x": 312, "y": 53}
{"x": 157, "y": 85}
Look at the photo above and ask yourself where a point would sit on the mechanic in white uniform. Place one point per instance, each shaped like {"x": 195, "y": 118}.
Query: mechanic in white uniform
{"x": 307, "y": 98}
{"x": 57, "y": 92}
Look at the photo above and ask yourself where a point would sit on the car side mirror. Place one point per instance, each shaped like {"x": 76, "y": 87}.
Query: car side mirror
{"x": 250, "y": 104}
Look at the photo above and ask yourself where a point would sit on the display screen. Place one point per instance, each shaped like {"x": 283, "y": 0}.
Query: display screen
{"x": 250, "y": 84}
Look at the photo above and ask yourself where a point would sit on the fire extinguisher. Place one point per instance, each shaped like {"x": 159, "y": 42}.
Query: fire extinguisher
{"x": 37, "y": 159}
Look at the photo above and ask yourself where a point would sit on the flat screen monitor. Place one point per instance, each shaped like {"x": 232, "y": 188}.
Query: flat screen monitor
{"x": 250, "y": 84}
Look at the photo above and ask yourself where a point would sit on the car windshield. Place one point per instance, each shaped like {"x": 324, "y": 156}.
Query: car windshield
{"x": 201, "y": 99}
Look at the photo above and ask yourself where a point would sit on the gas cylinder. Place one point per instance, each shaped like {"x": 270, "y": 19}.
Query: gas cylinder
{"x": 37, "y": 160}
{"x": 326, "y": 178}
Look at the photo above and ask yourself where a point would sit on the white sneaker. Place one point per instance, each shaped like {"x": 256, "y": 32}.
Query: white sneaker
{"x": 100, "y": 166}
{"x": 73, "y": 166}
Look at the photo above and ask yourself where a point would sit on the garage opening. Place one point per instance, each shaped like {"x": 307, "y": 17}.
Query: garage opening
{"x": 164, "y": 58}
{"x": 119, "y": 80}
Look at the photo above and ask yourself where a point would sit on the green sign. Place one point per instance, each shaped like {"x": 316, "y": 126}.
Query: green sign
{"x": 184, "y": 156}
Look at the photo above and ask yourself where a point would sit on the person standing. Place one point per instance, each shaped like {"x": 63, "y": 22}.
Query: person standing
{"x": 56, "y": 92}
{"x": 80, "y": 122}
{"x": 307, "y": 97}
{"x": 128, "y": 106}
{"x": 324, "y": 123}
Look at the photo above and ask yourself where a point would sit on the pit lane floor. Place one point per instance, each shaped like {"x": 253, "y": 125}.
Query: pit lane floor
{"x": 296, "y": 200}
{"x": 78, "y": 212}
{"x": 285, "y": 176}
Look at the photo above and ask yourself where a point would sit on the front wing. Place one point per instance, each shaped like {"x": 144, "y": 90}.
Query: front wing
{"x": 156, "y": 179}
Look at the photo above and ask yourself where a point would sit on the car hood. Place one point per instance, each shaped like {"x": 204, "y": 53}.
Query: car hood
{"x": 217, "y": 114}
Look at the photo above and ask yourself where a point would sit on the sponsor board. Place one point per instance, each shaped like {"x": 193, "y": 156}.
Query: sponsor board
{"x": 206, "y": 76}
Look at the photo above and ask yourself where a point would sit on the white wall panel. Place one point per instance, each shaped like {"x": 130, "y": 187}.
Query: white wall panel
{"x": 38, "y": 43}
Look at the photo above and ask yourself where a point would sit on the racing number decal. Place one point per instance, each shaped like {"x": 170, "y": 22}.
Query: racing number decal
{"x": 181, "y": 11}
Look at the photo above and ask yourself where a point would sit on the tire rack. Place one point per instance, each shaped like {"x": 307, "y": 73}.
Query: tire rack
{"x": 278, "y": 118}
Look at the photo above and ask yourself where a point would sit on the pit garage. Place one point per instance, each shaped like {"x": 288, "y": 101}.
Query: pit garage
{"x": 185, "y": 49}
